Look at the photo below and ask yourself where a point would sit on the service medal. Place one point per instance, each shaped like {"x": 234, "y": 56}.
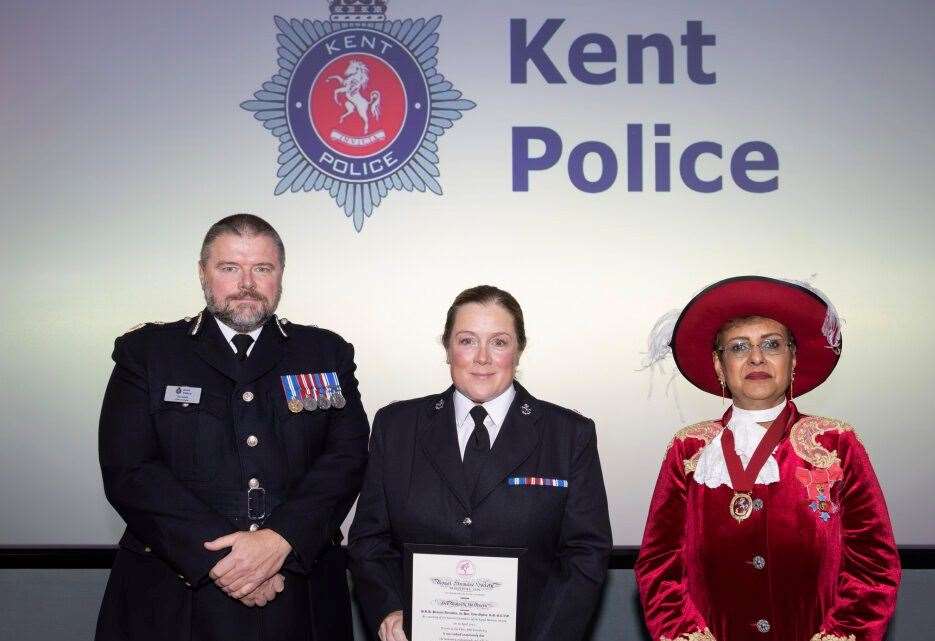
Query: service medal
{"x": 308, "y": 393}
{"x": 319, "y": 381}
{"x": 334, "y": 388}
{"x": 292, "y": 387}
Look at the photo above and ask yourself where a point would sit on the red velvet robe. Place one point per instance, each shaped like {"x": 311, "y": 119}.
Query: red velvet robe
{"x": 816, "y": 558}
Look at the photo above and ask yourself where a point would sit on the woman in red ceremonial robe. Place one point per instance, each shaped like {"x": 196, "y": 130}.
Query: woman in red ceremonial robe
{"x": 775, "y": 527}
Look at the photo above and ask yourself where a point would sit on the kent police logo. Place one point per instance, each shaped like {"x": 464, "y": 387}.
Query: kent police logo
{"x": 357, "y": 105}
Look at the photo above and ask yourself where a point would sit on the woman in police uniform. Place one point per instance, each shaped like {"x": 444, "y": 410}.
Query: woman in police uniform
{"x": 440, "y": 469}
{"x": 767, "y": 523}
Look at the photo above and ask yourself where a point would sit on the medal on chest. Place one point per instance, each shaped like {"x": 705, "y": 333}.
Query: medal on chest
{"x": 742, "y": 479}
{"x": 741, "y": 506}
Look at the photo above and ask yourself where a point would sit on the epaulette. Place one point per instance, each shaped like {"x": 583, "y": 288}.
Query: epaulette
{"x": 704, "y": 431}
{"x": 140, "y": 326}
{"x": 804, "y": 438}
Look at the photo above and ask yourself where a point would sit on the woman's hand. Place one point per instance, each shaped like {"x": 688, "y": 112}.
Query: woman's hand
{"x": 392, "y": 627}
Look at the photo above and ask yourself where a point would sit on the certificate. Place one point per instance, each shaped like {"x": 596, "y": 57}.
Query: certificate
{"x": 461, "y": 593}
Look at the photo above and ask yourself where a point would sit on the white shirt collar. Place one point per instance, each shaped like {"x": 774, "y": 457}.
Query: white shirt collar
{"x": 497, "y": 409}
{"x": 230, "y": 333}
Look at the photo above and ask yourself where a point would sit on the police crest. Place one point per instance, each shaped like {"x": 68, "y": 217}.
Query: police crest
{"x": 357, "y": 105}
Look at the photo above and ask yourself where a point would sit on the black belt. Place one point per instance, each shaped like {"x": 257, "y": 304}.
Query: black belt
{"x": 254, "y": 504}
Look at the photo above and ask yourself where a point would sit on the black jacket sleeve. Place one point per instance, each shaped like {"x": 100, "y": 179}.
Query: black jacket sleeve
{"x": 574, "y": 586}
{"x": 376, "y": 563}
{"x": 158, "y": 509}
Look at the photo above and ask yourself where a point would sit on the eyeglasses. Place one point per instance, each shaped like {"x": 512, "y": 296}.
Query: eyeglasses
{"x": 769, "y": 347}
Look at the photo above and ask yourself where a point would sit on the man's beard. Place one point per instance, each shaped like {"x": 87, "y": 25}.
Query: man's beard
{"x": 242, "y": 319}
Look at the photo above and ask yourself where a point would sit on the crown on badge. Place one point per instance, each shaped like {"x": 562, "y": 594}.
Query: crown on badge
{"x": 357, "y": 10}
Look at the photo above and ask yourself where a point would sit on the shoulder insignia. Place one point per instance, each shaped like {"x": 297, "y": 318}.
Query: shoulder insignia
{"x": 704, "y": 431}
{"x": 142, "y": 325}
{"x": 804, "y": 435}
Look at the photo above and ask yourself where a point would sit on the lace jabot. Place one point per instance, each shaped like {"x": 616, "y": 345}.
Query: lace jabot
{"x": 711, "y": 469}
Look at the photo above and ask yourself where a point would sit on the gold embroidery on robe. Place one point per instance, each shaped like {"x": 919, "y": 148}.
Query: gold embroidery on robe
{"x": 804, "y": 435}
{"x": 705, "y": 635}
{"x": 821, "y": 636}
{"x": 703, "y": 432}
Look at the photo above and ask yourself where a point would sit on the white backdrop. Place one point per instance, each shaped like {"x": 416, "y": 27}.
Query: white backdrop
{"x": 123, "y": 141}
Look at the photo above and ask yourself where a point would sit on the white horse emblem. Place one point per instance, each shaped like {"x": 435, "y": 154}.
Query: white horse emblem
{"x": 354, "y": 81}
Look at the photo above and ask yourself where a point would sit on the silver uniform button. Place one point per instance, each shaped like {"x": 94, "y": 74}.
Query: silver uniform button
{"x": 254, "y": 527}
{"x": 467, "y": 521}
{"x": 759, "y": 562}
{"x": 252, "y": 441}
{"x": 762, "y": 625}
{"x": 757, "y": 504}
{"x": 253, "y": 483}
{"x": 247, "y": 396}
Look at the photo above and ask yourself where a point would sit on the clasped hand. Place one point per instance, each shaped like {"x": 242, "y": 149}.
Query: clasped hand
{"x": 392, "y": 627}
{"x": 252, "y": 565}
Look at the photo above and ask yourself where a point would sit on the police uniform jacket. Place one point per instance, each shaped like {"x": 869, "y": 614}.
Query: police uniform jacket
{"x": 181, "y": 474}
{"x": 814, "y": 561}
{"x": 415, "y": 492}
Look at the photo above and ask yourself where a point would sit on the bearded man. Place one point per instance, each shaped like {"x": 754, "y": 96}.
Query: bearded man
{"x": 233, "y": 444}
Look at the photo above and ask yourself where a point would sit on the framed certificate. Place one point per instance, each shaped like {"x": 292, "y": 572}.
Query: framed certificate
{"x": 461, "y": 593}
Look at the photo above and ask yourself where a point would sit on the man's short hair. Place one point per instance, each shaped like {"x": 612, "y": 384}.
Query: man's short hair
{"x": 242, "y": 225}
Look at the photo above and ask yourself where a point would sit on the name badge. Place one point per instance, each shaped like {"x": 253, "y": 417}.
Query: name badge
{"x": 182, "y": 394}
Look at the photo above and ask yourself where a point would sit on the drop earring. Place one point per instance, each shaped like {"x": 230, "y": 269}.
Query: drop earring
{"x": 723, "y": 398}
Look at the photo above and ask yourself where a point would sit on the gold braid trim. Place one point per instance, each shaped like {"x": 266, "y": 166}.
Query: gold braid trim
{"x": 703, "y": 635}
{"x": 704, "y": 431}
{"x": 821, "y": 636}
{"x": 803, "y": 437}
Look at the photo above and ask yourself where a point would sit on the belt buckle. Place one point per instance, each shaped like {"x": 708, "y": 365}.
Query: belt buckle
{"x": 256, "y": 503}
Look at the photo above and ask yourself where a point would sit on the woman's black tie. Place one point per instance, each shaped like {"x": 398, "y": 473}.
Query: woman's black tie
{"x": 478, "y": 446}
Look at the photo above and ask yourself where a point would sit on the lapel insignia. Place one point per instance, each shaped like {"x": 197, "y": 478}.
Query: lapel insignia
{"x": 281, "y": 326}
{"x": 440, "y": 404}
{"x": 197, "y": 325}
{"x": 525, "y": 409}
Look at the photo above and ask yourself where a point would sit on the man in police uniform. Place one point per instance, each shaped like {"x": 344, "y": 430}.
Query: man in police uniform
{"x": 233, "y": 445}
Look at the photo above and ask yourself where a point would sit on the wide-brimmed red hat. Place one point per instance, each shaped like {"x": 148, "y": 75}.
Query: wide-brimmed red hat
{"x": 805, "y": 312}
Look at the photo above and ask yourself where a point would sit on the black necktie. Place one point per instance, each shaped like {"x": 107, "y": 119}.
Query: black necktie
{"x": 477, "y": 448}
{"x": 242, "y": 342}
